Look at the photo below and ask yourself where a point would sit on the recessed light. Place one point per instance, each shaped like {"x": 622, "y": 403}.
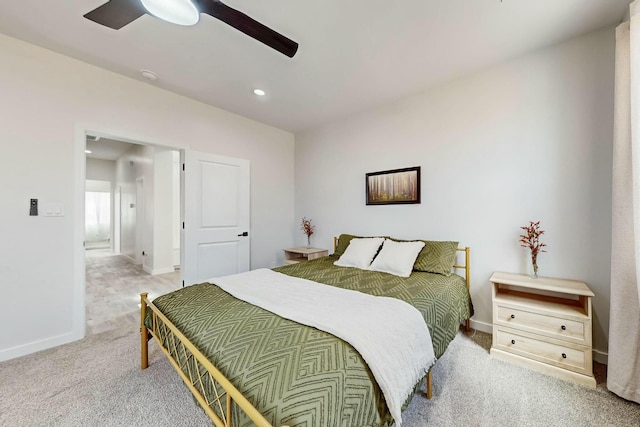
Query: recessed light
{"x": 87, "y": 151}
{"x": 149, "y": 75}
{"x": 259, "y": 92}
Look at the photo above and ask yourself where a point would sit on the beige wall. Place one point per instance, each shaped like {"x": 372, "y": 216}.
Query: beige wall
{"x": 48, "y": 101}
{"x": 529, "y": 139}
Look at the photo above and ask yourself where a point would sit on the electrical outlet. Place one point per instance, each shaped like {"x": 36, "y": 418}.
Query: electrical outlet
{"x": 33, "y": 207}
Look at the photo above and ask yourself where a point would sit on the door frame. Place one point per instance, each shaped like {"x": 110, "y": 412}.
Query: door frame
{"x": 140, "y": 223}
{"x": 78, "y": 327}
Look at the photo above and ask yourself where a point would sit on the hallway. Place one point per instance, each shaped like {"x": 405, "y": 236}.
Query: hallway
{"x": 113, "y": 290}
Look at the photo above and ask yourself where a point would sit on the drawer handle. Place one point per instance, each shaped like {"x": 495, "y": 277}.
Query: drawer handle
{"x": 513, "y": 341}
{"x": 564, "y": 355}
{"x": 513, "y": 316}
{"x": 563, "y": 327}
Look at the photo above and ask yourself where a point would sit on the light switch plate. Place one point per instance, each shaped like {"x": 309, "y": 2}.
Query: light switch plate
{"x": 52, "y": 209}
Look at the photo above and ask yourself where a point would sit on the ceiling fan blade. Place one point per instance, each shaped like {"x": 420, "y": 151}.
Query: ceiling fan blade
{"x": 117, "y": 13}
{"x": 249, "y": 26}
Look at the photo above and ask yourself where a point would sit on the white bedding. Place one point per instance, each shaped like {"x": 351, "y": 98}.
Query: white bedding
{"x": 390, "y": 334}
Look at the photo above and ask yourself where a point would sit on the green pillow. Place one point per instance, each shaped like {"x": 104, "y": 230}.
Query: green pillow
{"x": 343, "y": 243}
{"x": 437, "y": 257}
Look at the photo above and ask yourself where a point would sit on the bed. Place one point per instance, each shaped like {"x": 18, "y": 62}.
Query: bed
{"x": 247, "y": 366}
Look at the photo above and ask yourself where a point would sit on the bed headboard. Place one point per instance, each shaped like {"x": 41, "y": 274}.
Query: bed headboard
{"x": 456, "y": 266}
{"x": 465, "y": 266}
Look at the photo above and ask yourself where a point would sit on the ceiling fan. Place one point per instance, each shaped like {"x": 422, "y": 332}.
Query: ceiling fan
{"x": 118, "y": 13}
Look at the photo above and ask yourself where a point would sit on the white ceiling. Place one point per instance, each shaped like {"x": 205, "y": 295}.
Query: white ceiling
{"x": 353, "y": 55}
{"x": 106, "y": 149}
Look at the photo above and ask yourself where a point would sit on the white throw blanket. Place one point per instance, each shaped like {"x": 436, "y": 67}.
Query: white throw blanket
{"x": 390, "y": 334}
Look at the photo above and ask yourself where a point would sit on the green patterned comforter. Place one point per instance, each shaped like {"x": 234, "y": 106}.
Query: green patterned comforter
{"x": 296, "y": 375}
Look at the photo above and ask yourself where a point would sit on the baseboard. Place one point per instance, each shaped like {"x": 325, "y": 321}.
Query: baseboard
{"x": 482, "y": 326}
{"x": 33, "y": 347}
{"x": 601, "y": 356}
{"x": 176, "y": 256}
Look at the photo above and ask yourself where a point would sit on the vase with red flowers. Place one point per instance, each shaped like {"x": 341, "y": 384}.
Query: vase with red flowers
{"x": 532, "y": 241}
{"x": 308, "y": 229}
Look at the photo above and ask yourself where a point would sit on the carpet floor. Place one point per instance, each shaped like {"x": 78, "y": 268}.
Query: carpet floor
{"x": 97, "y": 382}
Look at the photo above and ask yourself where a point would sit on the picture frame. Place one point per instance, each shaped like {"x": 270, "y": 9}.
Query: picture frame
{"x": 393, "y": 187}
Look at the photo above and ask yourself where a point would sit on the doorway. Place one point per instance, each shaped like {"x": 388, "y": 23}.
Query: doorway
{"x": 209, "y": 178}
{"x": 138, "y": 258}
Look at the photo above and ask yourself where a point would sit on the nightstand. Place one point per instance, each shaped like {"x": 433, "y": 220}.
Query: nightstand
{"x": 296, "y": 255}
{"x": 544, "y": 324}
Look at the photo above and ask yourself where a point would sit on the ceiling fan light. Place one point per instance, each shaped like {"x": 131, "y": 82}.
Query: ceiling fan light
{"x": 181, "y": 12}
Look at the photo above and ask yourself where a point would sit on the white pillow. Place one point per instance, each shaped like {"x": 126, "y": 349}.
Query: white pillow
{"x": 360, "y": 252}
{"x": 397, "y": 258}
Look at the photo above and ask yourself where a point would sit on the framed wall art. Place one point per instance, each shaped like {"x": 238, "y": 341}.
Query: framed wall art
{"x": 392, "y": 187}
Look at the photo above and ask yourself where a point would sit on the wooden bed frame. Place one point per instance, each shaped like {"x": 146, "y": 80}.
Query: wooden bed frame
{"x": 201, "y": 373}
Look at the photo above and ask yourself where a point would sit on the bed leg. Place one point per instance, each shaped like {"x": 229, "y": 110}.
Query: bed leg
{"x": 144, "y": 342}
{"x": 467, "y": 325}
{"x": 429, "y": 384}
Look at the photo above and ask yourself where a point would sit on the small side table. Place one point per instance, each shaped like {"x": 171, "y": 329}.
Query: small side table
{"x": 296, "y": 255}
{"x": 544, "y": 324}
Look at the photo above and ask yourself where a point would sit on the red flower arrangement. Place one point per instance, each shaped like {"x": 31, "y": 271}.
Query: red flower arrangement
{"x": 532, "y": 241}
{"x": 308, "y": 229}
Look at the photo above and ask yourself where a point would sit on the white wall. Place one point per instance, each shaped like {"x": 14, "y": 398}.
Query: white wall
{"x": 163, "y": 207}
{"x": 48, "y": 102}
{"x": 100, "y": 169}
{"x": 97, "y": 186}
{"x": 136, "y": 164}
{"x": 530, "y": 139}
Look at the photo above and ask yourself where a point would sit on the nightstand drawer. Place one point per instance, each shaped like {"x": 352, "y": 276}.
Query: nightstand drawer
{"x": 573, "y": 357}
{"x": 555, "y": 327}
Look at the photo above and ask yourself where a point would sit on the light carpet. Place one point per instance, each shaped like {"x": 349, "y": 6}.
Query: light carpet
{"x": 97, "y": 382}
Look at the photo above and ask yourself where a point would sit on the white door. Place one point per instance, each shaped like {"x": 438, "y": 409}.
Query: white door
{"x": 215, "y": 235}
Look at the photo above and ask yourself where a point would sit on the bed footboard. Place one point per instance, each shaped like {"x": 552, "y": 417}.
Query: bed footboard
{"x": 209, "y": 386}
